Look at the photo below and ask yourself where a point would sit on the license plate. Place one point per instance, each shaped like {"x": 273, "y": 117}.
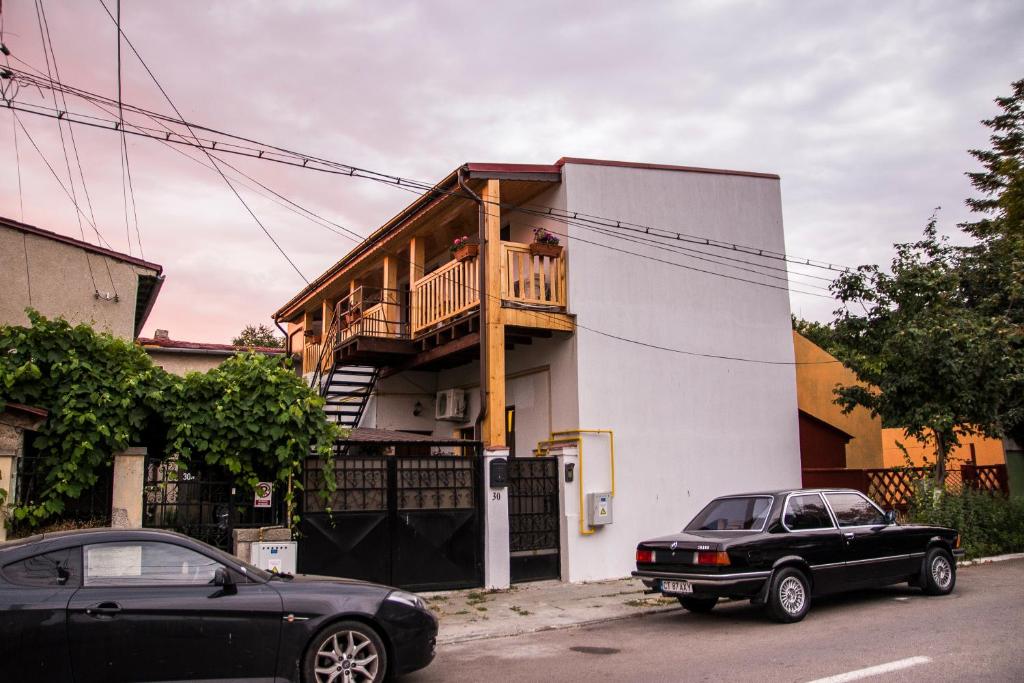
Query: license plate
{"x": 676, "y": 587}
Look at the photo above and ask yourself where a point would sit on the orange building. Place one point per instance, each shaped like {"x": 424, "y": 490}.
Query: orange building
{"x": 828, "y": 437}
{"x": 973, "y": 450}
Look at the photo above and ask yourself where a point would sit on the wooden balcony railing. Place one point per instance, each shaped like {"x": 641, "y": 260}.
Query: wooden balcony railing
{"x": 375, "y": 321}
{"x": 530, "y": 279}
{"x": 448, "y": 291}
{"x": 311, "y": 354}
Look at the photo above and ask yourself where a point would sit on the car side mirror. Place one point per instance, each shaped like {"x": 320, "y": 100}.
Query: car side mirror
{"x": 890, "y": 516}
{"x": 222, "y": 578}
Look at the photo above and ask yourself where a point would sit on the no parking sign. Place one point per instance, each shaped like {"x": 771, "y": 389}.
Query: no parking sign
{"x": 264, "y": 494}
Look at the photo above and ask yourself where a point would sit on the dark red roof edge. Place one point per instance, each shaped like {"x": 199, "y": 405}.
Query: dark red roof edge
{"x": 33, "y": 230}
{"x": 200, "y": 346}
{"x": 661, "y": 167}
{"x": 29, "y": 410}
{"x": 513, "y": 168}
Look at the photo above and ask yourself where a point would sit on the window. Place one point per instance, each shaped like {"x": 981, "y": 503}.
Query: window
{"x": 806, "y": 512}
{"x": 59, "y": 568}
{"x": 853, "y": 509}
{"x": 146, "y": 564}
{"x": 732, "y": 514}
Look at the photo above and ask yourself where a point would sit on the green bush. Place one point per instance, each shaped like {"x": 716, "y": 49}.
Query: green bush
{"x": 988, "y": 524}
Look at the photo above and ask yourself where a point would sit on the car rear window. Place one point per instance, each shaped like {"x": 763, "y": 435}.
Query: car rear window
{"x": 732, "y": 514}
{"x": 57, "y": 568}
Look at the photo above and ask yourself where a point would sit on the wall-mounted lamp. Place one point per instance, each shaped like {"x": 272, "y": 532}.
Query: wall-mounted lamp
{"x": 417, "y": 409}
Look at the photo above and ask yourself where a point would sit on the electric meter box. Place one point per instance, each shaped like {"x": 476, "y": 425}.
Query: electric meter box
{"x": 600, "y": 507}
{"x": 275, "y": 556}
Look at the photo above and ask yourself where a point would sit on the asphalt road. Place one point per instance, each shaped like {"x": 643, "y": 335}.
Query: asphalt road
{"x": 973, "y": 634}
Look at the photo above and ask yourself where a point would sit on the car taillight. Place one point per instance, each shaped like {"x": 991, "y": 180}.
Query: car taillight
{"x": 956, "y": 544}
{"x": 644, "y": 556}
{"x": 718, "y": 558}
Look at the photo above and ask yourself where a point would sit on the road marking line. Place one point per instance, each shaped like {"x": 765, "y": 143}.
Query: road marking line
{"x": 874, "y": 670}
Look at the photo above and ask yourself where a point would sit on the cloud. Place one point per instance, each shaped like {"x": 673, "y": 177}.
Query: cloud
{"x": 866, "y": 110}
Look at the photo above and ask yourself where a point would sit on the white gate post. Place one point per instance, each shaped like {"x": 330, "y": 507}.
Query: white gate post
{"x": 129, "y": 480}
{"x": 568, "y": 505}
{"x": 496, "y": 553}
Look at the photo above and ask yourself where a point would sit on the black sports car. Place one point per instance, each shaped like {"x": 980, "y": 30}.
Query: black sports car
{"x": 147, "y": 605}
{"x": 783, "y": 547}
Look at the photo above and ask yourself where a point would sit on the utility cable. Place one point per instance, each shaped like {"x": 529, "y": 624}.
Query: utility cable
{"x": 213, "y": 161}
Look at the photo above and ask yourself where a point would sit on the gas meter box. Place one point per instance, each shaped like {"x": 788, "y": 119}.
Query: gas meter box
{"x": 275, "y": 556}
{"x": 600, "y": 508}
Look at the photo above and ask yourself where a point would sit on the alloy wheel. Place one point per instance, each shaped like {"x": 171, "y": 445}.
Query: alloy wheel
{"x": 792, "y": 595}
{"x": 347, "y": 657}
{"x": 942, "y": 573}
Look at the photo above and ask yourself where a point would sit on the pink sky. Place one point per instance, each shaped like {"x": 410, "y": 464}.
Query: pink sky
{"x": 865, "y": 110}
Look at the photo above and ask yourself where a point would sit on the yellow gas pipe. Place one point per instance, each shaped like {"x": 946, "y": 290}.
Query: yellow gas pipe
{"x": 578, "y": 440}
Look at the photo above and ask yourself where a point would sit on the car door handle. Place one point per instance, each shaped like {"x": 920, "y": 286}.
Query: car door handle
{"x": 848, "y": 535}
{"x": 104, "y": 609}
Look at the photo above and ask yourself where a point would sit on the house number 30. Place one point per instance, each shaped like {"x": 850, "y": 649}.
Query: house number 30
{"x": 495, "y": 495}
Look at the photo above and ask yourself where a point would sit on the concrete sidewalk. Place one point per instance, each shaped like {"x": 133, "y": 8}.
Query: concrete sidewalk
{"x": 545, "y": 605}
{"x": 539, "y": 606}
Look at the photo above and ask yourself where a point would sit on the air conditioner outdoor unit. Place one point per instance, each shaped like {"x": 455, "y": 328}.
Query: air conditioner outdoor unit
{"x": 450, "y": 405}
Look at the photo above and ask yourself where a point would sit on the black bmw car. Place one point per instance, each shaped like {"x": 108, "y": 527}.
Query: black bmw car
{"x": 147, "y": 605}
{"x": 782, "y": 548}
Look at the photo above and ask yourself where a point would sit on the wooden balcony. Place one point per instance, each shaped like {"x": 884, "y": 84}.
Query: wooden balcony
{"x": 445, "y": 294}
{"x": 382, "y": 325}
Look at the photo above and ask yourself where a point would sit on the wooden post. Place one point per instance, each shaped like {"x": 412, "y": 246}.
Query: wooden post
{"x": 417, "y": 264}
{"x": 327, "y": 342}
{"x": 494, "y": 421}
{"x": 389, "y": 297}
{"x": 307, "y": 328}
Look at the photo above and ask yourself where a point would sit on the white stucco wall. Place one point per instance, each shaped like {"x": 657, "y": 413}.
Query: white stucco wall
{"x": 686, "y": 428}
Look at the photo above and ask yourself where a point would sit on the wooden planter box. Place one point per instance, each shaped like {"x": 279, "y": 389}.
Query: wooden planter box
{"x": 551, "y": 250}
{"x": 466, "y": 252}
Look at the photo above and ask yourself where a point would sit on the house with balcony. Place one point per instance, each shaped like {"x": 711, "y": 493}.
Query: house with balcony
{"x": 594, "y": 368}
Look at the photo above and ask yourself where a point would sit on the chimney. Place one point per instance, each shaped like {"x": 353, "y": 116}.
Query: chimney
{"x": 161, "y": 334}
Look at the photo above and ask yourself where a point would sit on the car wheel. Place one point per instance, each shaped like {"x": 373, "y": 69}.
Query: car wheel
{"x": 346, "y": 652}
{"x": 789, "y": 596}
{"x": 698, "y": 604}
{"x": 939, "y": 572}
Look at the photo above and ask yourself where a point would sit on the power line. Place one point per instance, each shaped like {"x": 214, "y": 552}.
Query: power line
{"x": 213, "y": 161}
{"x": 687, "y": 267}
{"x": 282, "y": 155}
{"x": 281, "y": 200}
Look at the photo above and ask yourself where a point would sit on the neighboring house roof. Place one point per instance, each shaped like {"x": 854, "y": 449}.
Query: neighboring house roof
{"x": 362, "y": 435}
{"x": 826, "y": 425}
{"x": 177, "y": 346}
{"x": 26, "y": 417}
{"x": 149, "y": 285}
{"x": 476, "y": 170}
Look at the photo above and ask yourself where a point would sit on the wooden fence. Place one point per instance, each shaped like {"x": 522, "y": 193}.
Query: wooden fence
{"x": 893, "y": 488}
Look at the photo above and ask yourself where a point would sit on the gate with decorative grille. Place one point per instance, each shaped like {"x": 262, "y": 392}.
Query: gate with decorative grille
{"x": 407, "y": 521}
{"x": 533, "y": 518}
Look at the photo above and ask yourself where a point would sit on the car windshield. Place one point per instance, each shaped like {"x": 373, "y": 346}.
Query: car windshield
{"x": 732, "y": 514}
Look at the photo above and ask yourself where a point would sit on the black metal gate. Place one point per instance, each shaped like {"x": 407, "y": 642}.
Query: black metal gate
{"x": 201, "y": 504}
{"x": 533, "y": 519}
{"x": 407, "y": 521}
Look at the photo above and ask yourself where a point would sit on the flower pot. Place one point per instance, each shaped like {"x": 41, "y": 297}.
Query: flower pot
{"x": 466, "y": 252}
{"x": 541, "y": 249}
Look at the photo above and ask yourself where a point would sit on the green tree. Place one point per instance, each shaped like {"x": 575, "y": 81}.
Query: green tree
{"x": 101, "y": 393}
{"x": 993, "y": 269}
{"x": 937, "y": 367}
{"x": 252, "y": 417}
{"x": 258, "y": 335}
{"x": 821, "y": 334}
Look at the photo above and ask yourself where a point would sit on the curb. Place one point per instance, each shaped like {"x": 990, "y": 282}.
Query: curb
{"x": 560, "y": 627}
{"x": 990, "y": 560}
